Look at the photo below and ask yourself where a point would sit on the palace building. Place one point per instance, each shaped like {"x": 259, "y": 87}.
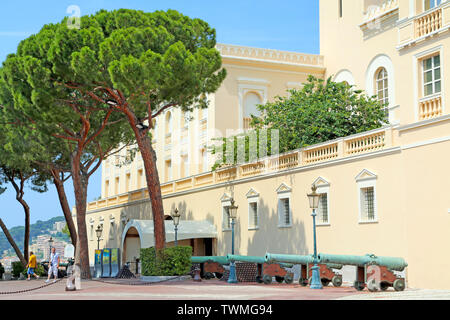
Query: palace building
{"x": 386, "y": 191}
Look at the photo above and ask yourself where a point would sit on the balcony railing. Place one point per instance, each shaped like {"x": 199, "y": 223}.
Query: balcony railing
{"x": 429, "y": 23}
{"x": 355, "y": 145}
{"x": 423, "y": 26}
{"x": 430, "y": 107}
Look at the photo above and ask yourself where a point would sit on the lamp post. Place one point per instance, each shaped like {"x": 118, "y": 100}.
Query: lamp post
{"x": 50, "y": 242}
{"x": 98, "y": 231}
{"x": 314, "y": 204}
{"x": 176, "y": 220}
{"x": 232, "y": 211}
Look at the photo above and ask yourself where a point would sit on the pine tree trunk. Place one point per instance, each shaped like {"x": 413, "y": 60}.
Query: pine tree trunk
{"x": 153, "y": 186}
{"x": 80, "y": 184}
{"x": 13, "y": 243}
{"x": 65, "y": 208}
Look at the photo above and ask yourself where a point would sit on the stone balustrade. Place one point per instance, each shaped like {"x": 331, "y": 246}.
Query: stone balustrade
{"x": 430, "y": 107}
{"x": 428, "y": 23}
{"x": 355, "y": 145}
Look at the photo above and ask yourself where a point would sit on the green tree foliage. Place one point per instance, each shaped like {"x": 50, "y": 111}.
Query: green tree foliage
{"x": 322, "y": 110}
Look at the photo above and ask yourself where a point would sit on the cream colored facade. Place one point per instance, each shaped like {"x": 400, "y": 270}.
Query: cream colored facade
{"x": 387, "y": 190}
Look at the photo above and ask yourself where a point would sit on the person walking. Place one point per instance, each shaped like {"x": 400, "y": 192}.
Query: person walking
{"x": 53, "y": 265}
{"x": 31, "y": 266}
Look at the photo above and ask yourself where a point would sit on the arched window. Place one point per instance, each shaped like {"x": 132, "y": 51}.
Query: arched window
{"x": 381, "y": 87}
{"x": 251, "y": 102}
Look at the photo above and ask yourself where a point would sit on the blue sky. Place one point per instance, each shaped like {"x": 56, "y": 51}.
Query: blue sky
{"x": 291, "y": 25}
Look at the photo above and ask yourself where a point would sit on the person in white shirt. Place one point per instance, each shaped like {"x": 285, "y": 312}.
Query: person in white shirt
{"x": 53, "y": 265}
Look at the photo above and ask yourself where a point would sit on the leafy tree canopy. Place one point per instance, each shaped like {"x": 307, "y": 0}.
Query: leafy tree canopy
{"x": 322, "y": 110}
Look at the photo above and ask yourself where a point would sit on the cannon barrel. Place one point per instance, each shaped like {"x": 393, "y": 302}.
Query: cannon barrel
{"x": 202, "y": 259}
{"x": 392, "y": 263}
{"x": 254, "y": 259}
{"x": 289, "y": 258}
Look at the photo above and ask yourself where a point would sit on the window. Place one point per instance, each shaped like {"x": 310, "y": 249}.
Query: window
{"x": 116, "y": 186}
{"x": 91, "y": 230}
{"x": 106, "y": 188}
{"x": 168, "y": 172}
{"x": 253, "y": 215}
{"x": 367, "y": 204}
{"x": 381, "y": 89}
{"x": 168, "y": 123}
{"x": 284, "y": 213}
{"x": 139, "y": 178}
{"x": 184, "y": 166}
{"x": 155, "y": 130}
{"x": 127, "y": 182}
{"x": 429, "y": 4}
{"x": 367, "y": 196}
{"x": 284, "y": 207}
{"x": 111, "y": 229}
{"x": 323, "y": 209}
{"x": 251, "y": 102}
{"x": 431, "y": 75}
{"x": 340, "y": 9}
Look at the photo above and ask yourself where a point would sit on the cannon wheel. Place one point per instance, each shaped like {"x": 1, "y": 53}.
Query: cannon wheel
{"x": 219, "y": 275}
{"x": 259, "y": 279}
{"x": 384, "y": 285}
{"x": 359, "y": 285}
{"x": 267, "y": 279}
{"x": 325, "y": 282}
{"x": 279, "y": 279}
{"x": 399, "y": 285}
{"x": 289, "y": 278}
{"x": 209, "y": 275}
{"x": 336, "y": 281}
{"x": 303, "y": 282}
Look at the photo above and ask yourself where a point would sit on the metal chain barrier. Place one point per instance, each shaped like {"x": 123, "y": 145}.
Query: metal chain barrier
{"x": 32, "y": 289}
{"x": 138, "y": 282}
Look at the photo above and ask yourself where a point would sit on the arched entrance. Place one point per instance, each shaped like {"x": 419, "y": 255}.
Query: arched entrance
{"x": 131, "y": 246}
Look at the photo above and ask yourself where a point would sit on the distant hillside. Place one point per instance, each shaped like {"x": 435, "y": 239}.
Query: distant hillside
{"x": 36, "y": 229}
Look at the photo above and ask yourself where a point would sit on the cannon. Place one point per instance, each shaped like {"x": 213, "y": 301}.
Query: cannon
{"x": 306, "y": 262}
{"x": 267, "y": 270}
{"x": 211, "y": 266}
{"x": 369, "y": 268}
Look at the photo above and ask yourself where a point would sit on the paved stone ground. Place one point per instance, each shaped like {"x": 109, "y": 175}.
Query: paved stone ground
{"x": 205, "y": 290}
{"x": 185, "y": 290}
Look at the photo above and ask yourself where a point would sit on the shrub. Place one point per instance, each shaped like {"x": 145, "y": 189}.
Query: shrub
{"x": 174, "y": 261}
{"x": 39, "y": 270}
{"x": 17, "y": 268}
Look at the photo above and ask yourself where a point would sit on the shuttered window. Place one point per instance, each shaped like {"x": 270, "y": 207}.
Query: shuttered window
{"x": 284, "y": 215}
{"x": 253, "y": 215}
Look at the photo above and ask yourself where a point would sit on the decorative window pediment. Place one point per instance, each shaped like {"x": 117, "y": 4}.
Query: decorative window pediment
{"x": 252, "y": 193}
{"x": 365, "y": 175}
{"x": 284, "y": 188}
{"x": 321, "y": 182}
{"x": 225, "y": 197}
